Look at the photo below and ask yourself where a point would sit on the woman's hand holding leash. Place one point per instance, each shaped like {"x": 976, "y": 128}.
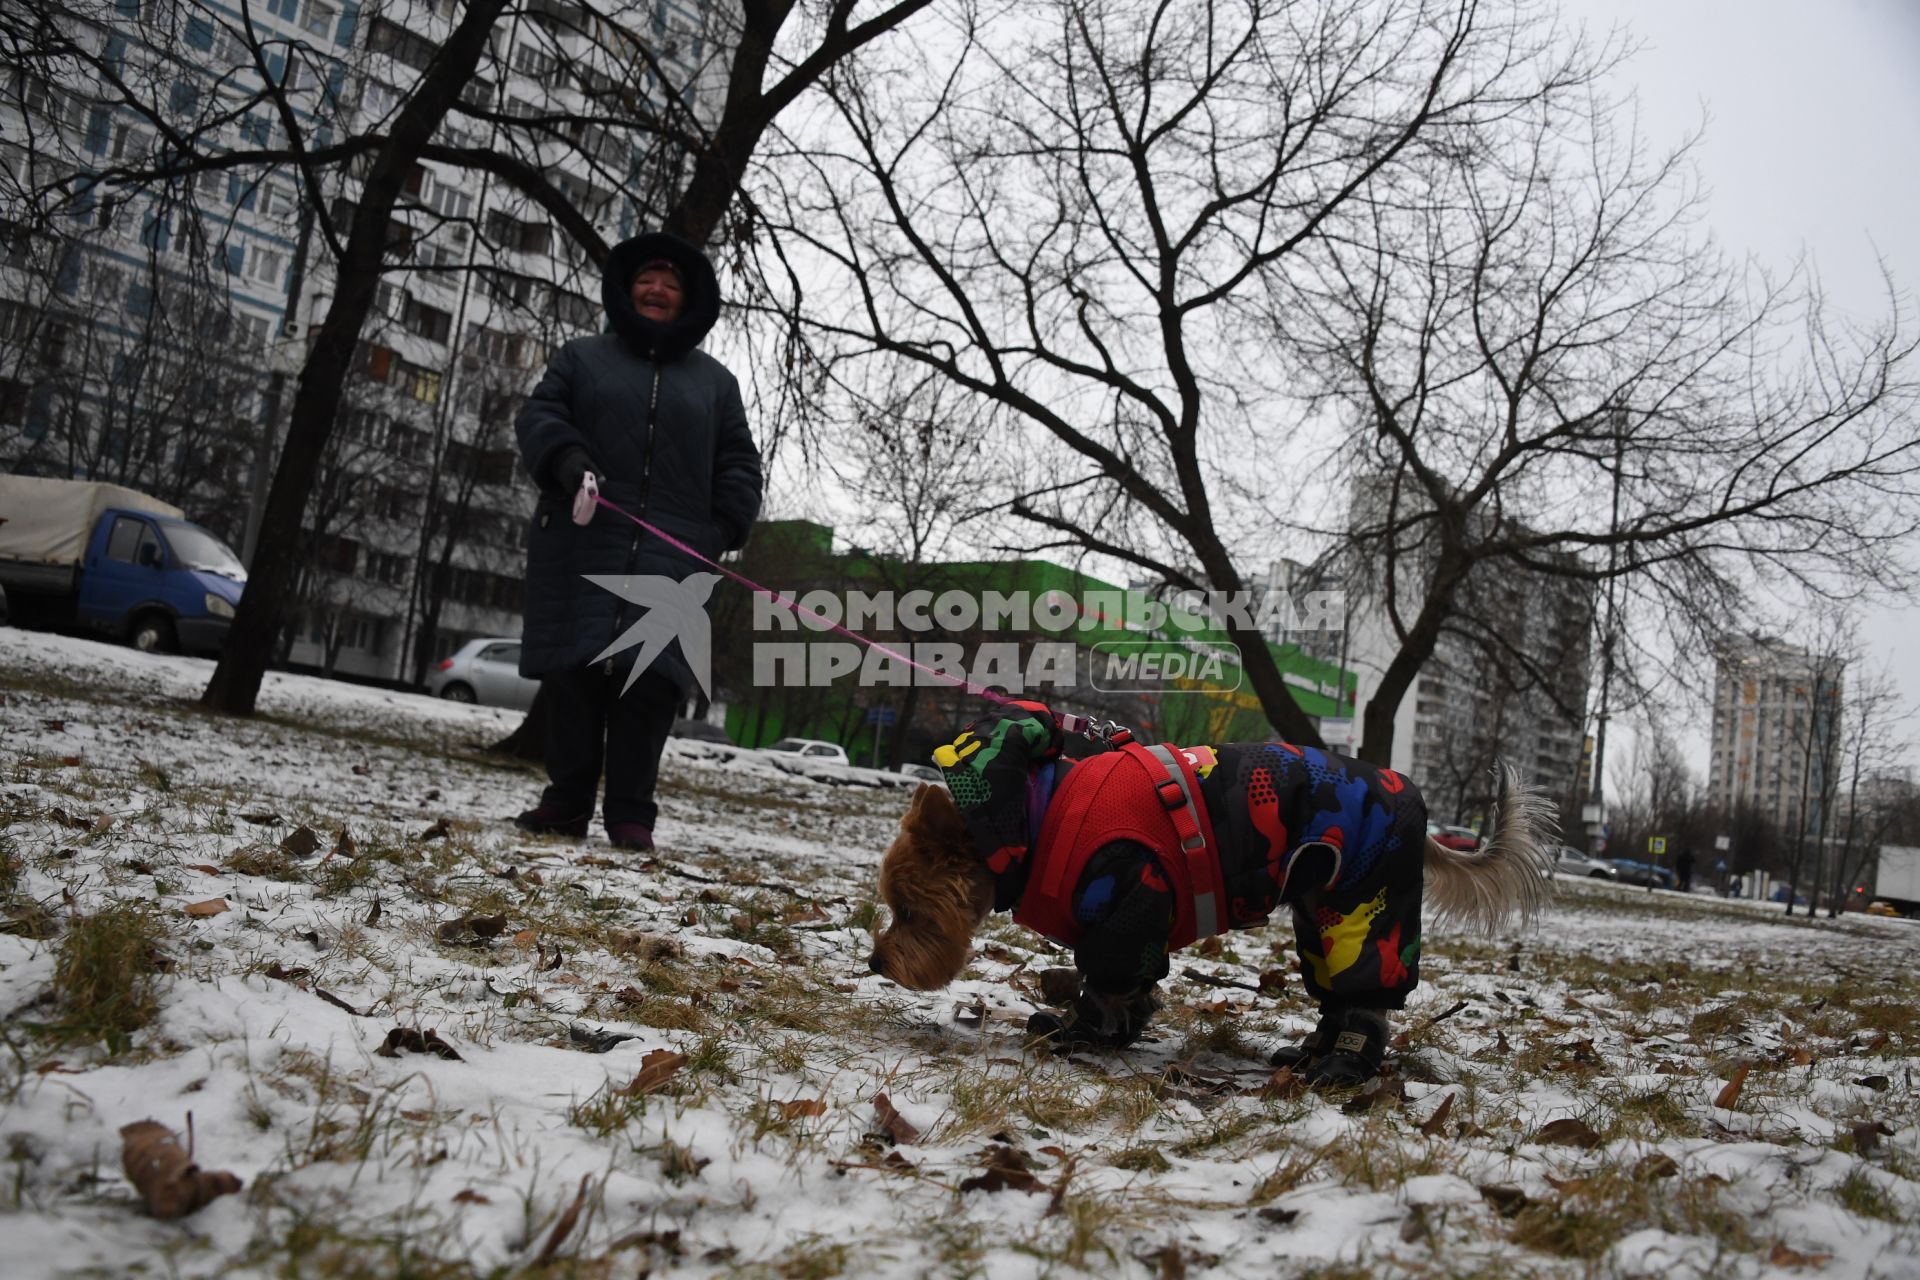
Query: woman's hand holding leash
{"x": 585, "y": 500}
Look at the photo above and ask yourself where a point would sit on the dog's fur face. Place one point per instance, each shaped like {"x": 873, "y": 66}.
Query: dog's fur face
{"x": 938, "y": 892}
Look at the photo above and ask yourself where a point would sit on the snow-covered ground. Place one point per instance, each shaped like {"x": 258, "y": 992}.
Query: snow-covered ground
{"x": 1558, "y": 1104}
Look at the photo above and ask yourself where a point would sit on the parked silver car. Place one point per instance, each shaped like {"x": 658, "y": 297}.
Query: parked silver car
{"x": 812, "y": 750}
{"x": 1571, "y": 862}
{"x": 486, "y": 671}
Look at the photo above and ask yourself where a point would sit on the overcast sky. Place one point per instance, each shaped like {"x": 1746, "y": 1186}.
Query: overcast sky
{"x": 1812, "y": 115}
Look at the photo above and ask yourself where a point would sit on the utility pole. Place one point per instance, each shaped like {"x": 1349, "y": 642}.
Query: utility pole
{"x": 1607, "y": 638}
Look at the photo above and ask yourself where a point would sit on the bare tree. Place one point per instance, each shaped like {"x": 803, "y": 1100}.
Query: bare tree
{"x": 1553, "y": 374}
{"x": 119, "y": 353}
{"x": 1194, "y": 254}
{"x": 1814, "y": 728}
{"x": 350, "y": 108}
{"x": 1867, "y": 752}
{"x": 1657, "y": 794}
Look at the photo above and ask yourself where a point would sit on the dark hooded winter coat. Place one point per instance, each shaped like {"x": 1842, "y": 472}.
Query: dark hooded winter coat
{"x": 665, "y": 428}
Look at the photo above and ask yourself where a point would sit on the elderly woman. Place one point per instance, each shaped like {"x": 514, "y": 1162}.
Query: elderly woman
{"x": 662, "y": 426}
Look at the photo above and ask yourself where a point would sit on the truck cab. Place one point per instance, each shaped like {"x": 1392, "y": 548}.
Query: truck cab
{"x": 159, "y": 582}
{"x": 82, "y": 553}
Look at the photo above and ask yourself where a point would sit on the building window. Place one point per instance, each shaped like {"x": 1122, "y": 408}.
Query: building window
{"x": 512, "y": 233}
{"x": 320, "y": 17}
{"x": 430, "y": 323}
{"x": 267, "y": 266}
{"x": 276, "y": 200}
{"x": 400, "y": 44}
{"x": 418, "y": 381}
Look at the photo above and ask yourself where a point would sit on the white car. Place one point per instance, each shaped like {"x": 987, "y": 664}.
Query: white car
{"x": 486, "y": 671}
{"x": 924, "y": 773}
{"x": 810, "y": 750}
{"x": 1570, "y": 862}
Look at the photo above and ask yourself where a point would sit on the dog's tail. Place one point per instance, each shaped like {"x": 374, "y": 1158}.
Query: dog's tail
{"x": 1507, "y": 874}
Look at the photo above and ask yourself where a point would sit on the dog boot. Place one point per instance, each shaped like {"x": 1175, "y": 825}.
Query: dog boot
{"x": 1096, "y": 1019}
{"x": 1355, "y": 1055}
{"x": 1312, "y": 1045}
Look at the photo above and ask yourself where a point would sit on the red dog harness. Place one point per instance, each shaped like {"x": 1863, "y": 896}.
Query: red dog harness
{"x": 1149, "y": 795}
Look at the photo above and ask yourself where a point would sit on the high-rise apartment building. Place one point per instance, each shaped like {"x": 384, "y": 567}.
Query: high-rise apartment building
{"x": 151, "y": 332}
{"x": 1776, "y": 710}
{"x": 1508, "y": 683}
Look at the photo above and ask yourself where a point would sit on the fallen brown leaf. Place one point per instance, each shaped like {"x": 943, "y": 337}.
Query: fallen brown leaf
{"x": 470, "y": 929}
{"x": 211, "y": 907}
{"x": 261, "y": 818}
{"x": 1657, "y": 1165}
{"x": 1004, "y": 1167}
{"x": 1785, "y": 1257}
{"x": 1729, "y": 1097}
{"x": 1568, "y": 1132}
{"x": 205, "y": 869}
{"x": 470, "y": 1196}
{"x": 301, "y": 842}
{"x": 1381, "y": 1090}
{"x": 438, "y": 831}
{"x": 1867, "y": 1135}
{"x": 803, "y": 1107}
{"x": 1435, "y": 1123}
{"x": 170, "y": 1184}
{"x": 1283, "y": 1084}
{"x": 1879, "y": 1084}
{"x": 563, "y": 1228}
{"x": 896, "y": 1125}
{"x": 412, "y": 1040}
{"x": 657, "y": 1067}
{"x": 642, "y": 945}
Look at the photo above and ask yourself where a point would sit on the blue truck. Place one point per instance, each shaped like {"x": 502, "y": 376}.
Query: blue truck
{"x": 99, "y": 557}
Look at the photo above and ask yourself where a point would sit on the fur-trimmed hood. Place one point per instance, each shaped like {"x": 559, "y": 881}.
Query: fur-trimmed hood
{"x": 698, "y": 282}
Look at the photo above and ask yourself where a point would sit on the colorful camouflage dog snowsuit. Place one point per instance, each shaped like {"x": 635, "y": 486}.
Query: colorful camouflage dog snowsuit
{"x": 1337, "y": 840}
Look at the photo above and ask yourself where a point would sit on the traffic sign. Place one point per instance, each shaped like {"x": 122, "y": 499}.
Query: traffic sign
{"x": 1657, "y": 845}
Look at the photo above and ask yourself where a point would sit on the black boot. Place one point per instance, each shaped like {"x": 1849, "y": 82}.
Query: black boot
{"x": 1354, "y": 1057}
{"x": 1096, "y": 1020}
{"x": 1316, "y": 1042}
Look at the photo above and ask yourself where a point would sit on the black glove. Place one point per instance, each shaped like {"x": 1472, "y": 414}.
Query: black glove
{"x": 572, "y": 464}
{"x": 1097, "y": 1019}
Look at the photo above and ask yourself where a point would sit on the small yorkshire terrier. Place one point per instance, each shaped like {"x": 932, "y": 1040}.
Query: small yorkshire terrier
{"x": 1135, "y": 853}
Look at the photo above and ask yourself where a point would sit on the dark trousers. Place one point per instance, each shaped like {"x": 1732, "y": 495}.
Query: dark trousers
{"x": 590, "y": 723}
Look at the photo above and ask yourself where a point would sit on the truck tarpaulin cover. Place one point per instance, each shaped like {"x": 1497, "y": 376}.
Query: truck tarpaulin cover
{"x": 47, "y": 521}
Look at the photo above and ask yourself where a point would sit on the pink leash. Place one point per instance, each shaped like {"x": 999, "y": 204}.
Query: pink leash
{"x": 589, "y": 497}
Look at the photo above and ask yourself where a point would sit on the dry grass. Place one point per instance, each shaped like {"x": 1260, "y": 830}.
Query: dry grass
{"x": 1596, "y": 1209}
{"x": 106, "y": 967}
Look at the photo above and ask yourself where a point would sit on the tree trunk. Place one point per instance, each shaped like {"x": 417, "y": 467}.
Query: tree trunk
{"x": 1376, "y": 731}
{"x": 235, "y": 686}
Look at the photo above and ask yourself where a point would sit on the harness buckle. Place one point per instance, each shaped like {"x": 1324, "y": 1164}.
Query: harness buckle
{"x": 1172, "y": 794}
